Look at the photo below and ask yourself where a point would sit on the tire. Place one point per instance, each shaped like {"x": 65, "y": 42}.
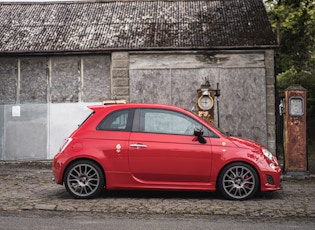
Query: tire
{"x": 84, "y": 179}
{"x": 238, "y": 181}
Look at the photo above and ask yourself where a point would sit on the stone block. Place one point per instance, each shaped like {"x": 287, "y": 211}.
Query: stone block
{"x": 117, "y": 82}
{"x": 120, "y": 91}
{"x": 120, "y": 63}
{"x": 120, "y": 73}
{"x": 120, "y": 55}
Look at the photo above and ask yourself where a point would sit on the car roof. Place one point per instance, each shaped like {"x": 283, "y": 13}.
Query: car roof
{"x": 136, "y": 105}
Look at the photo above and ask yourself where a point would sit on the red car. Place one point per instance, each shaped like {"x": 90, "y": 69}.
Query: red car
{"x": 160, "y": 147}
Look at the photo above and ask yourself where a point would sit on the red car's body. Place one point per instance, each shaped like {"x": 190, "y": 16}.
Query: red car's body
{"x": 140, "y": 149}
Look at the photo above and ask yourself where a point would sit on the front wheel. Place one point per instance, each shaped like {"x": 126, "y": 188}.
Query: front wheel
{"x": 84, "y": 179}
{"x": 238, "y": 181}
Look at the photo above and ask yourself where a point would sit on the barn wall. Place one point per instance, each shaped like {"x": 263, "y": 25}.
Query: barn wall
{"x": 43, "y": 99}
{"x": 8, "y": 80}
{"x": 174, "y": 79}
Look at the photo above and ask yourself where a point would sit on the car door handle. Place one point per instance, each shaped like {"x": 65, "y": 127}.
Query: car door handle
{"x": 138, "y": 146}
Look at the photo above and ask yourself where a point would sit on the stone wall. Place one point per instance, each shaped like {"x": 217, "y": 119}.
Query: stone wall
{"x": 120, "y": 75}
{"x": 270, "y": 99}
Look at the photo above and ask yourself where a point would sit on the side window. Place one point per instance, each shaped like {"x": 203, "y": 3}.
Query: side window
{"x": 119, "y": 120}
{"x": 166, "y": 121}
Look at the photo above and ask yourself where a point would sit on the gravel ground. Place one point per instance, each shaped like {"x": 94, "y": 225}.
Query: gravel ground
{"x": 28, "y": 187}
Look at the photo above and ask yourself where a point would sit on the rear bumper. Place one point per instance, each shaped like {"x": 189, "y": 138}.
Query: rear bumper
{"x": 57, "y": 168}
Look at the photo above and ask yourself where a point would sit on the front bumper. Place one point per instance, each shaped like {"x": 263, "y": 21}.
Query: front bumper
{"x": 271, "y": 180}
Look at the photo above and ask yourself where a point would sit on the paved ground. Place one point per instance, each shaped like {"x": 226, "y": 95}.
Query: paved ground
{"x": 28, "y": 186}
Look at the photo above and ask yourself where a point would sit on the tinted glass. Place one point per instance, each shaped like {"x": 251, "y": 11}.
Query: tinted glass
{"x": 168, "y": 122}
{"x": 117, "y": 120}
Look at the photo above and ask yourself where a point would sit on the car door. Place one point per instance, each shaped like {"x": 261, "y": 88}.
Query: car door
{"x": 163, "y": 148}
{"x": 111, "y": 138}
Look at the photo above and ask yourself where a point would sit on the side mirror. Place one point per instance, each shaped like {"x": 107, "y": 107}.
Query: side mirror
{"x": 198, "y": 132}
{"x": 228, "y": 134}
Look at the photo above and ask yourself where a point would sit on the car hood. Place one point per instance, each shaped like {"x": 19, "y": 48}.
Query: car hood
{"x": 245, "y": 143}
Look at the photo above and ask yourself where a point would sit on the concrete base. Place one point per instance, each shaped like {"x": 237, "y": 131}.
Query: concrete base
{"x": 297, "y": 175}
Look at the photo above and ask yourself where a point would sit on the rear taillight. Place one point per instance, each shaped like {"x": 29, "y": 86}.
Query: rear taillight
{"x": 64, "y": 146}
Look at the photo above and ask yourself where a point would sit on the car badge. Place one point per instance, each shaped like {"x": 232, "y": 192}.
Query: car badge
{"x": 118, "y": 148}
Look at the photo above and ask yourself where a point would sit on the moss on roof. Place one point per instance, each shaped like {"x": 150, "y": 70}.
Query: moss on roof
{"x": 133, "y": 25}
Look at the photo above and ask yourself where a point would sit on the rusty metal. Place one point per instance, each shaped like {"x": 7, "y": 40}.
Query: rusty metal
{"x": 295, "y": 133}
{"x": 207, "y": 115}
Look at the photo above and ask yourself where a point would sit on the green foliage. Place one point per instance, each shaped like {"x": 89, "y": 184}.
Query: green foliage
{"x": 295, "y": 62}
{"x": 306, "y": 79}
{"x": 292, "y": 76}
{"x": 296, "y": 22}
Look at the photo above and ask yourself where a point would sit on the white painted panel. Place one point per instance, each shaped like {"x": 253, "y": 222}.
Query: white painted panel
{"x": 64, "y": 118}
{"x": 25, "y": 136}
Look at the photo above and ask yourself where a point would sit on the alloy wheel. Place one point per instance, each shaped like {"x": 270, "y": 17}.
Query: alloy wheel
{"x": 238, "y": 181}
{"x": 84, "y": 180}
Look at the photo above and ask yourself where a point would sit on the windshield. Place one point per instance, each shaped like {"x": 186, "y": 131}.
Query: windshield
{"x": 224, "y": 133}
{"x": 211, "y": 125}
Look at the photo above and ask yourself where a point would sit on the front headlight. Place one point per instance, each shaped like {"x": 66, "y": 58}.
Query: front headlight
{"x": 268, "y": 154}
{"x": 272, "y": 165}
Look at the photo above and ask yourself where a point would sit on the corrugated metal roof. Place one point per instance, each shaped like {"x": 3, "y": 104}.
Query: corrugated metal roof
{"x": 133, "y": 25}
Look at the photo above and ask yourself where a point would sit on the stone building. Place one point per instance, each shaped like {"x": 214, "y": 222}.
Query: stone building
{"x": 58, "y": 57}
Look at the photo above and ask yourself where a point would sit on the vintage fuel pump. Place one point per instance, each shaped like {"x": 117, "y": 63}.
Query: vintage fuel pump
{"x": 295, "y": 149}
{"x": 206, "y": 102}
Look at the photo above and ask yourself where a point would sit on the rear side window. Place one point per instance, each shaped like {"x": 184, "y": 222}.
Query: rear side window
{"x": 117, "y": 121}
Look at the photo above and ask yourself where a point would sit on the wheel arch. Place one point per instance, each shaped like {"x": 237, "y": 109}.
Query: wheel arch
{"x": 238, "y": 161}
{"x": 87, "y": 159}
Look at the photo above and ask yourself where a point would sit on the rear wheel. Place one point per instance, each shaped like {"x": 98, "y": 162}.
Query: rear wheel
{"x": 84, "y": 179}
{"x": 238, "y": 181}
